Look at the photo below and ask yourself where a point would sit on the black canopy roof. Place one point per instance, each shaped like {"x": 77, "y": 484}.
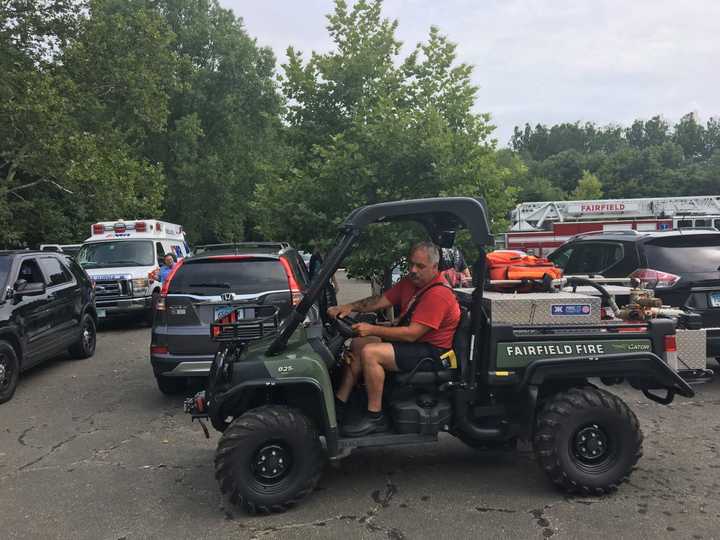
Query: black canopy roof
{"x": 437, "y": 215}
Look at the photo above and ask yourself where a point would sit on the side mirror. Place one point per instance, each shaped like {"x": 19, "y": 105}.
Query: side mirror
{"x": 23, "y": 288}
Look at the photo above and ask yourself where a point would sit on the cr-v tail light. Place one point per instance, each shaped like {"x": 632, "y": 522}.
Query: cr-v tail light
{"x": 654, "y": 278}
{"x": 168, "y": 278}
{"x": 292, "y": 282}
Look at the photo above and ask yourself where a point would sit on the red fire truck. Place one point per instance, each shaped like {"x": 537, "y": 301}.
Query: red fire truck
{"x": 538, "y": 228}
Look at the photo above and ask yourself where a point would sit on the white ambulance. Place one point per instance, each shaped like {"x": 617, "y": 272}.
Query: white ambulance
{"x": 123, "y": 257}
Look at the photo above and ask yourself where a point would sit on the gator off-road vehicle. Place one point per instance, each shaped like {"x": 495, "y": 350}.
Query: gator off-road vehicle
{"x": 273, "y": 398}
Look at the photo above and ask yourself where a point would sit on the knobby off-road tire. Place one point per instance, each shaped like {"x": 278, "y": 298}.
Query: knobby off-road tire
{"x": 587, "y": 441}
{"x": 9, "y": 371}
{"x": 84, "y": 347}
{"x": 268, "y": 459}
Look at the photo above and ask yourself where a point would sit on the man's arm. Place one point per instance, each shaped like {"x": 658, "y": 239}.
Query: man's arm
{"x": 366, "y": 305}
{"x": 408, "y": 334}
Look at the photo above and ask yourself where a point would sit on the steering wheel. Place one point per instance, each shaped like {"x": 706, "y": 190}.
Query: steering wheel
{"x": 344, "y": 326}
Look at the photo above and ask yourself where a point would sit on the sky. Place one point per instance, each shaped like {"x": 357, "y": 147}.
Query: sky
{"x": 544, "y": 61}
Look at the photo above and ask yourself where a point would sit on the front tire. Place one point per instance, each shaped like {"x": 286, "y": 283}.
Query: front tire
{"x": 268, "y": 459}
{"x": 587, "y": 441}
{"x": 84, "y": 347}
{"x": 9, "y": 371}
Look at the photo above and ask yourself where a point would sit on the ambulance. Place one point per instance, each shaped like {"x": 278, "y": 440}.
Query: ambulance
{"x": 123, "y": 256}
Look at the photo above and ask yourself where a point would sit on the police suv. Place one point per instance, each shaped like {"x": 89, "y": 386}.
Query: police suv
{"x": 122, "y": 257}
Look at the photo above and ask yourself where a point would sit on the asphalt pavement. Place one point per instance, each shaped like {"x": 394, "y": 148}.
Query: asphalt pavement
{"x": 90, "y": 449}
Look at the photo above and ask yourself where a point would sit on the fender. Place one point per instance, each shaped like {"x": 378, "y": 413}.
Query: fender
{"x": 644, "y": 370}
{"x": 226, "y": 403}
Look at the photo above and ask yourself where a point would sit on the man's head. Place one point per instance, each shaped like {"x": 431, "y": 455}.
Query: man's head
{"x": 169, "y": 259}
{"x": 423, "y": 263}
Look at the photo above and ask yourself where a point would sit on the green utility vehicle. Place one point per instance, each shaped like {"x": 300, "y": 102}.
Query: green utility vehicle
{"x": 273, "y": 398}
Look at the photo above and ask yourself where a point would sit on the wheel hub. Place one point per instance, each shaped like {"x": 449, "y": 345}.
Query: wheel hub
{"x": 591, "y": 443}
{"x": 271, "y": 463}
{"x": 3, "y": 370}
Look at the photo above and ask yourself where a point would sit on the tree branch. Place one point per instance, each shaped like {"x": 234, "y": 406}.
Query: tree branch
{"x": 35, "y": 183}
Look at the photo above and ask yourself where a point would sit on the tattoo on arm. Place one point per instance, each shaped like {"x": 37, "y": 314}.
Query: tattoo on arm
{"x": 366, "y": 304}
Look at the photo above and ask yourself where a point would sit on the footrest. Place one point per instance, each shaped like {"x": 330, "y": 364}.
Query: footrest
{"x": 385, "y": 439}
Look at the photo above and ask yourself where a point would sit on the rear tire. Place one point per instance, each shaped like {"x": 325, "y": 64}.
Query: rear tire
{"x": 9, "y": 371}
{"x": 587, "y": 441}
{"x": 172, "y": 386}
{"x": 268, "y": 459}
{"x": 84, "y": 347}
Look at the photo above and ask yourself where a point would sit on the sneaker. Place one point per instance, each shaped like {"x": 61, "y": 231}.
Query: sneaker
{"x": 366, "y": 425}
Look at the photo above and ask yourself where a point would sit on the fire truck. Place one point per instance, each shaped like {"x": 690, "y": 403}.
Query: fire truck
{"x": 538, "y": 228}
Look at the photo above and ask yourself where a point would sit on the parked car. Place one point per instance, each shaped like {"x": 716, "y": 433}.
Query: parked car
{"x": 242, "y": 247}
{"x": 68, "y": 249}
{"x": 47, "y": 306}
{"x": 199, "y": 291}
{"x": 682, "y": 266}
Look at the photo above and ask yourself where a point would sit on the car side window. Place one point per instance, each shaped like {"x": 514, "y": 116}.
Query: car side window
{"x": 55, "y": 273}
{"x": 30, "y": 272}
{"x": 594, "y": 258}
{"x": 160, "y": 251}
{"x": 562, "y": 255}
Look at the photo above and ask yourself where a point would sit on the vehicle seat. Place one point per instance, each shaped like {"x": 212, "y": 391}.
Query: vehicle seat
{"x": 460, "y": 346}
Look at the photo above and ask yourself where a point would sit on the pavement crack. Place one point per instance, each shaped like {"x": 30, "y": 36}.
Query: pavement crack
{"x": 542, "y": 520}
{"x": 53, "y": 448}
{"x": 21, "y": 439}
{"x": 501, "y": 510}
{"x": 382, "y": 500}
{"x": 257, "y": 533}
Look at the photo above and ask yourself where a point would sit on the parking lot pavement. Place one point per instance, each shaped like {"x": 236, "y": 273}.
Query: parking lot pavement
{"x": 90, "y": 449}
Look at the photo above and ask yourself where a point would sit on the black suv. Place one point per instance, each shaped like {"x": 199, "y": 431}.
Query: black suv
{"x": 682, "y": 266}
{"x": 200, "y": 290}
{"x": 47, "y": 306}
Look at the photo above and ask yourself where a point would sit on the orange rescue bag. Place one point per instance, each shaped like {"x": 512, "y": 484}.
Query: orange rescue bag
{"x": 517, "y": 265}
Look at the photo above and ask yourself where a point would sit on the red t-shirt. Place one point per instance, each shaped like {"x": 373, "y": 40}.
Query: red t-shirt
{"x": 437, "y": 309}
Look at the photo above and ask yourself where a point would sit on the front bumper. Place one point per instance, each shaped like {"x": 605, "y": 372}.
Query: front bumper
{"x": 124, "y": 305}
{"x": 169, "y": 365}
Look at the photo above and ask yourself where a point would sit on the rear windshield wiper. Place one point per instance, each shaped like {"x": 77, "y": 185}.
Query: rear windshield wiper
{"x": 213, "y": 285}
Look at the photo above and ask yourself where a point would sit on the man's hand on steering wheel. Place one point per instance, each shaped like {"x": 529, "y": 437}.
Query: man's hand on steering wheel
{"x": 340, "y": 311}
{"x": 362, "y": 329}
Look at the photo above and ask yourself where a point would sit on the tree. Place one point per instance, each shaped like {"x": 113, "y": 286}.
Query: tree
{"x": 589, "y": 187}
{"x": 367, "y": 127}
{"x": 223, "y": 123}
{"x": 69, "y": 142}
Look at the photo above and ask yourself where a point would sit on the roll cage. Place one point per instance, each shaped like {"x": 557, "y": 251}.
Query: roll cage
{"x": 438, "y": 215}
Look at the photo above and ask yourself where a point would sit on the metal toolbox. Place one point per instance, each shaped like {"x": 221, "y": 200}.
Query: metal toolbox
{"x": 551, "y": 308}
{"x": 691, "y": 349}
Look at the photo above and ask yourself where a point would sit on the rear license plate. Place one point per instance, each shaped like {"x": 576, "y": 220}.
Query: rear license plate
{"x": 715, "y": 299}
{"x": 224, "y": 311}
{"x": 101, "y": 313}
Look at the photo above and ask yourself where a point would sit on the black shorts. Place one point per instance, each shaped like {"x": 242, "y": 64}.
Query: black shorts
{"x": 407, "y": 356}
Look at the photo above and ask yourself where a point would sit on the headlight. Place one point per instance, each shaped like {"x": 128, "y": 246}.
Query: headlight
{"x": 140, "y": 286}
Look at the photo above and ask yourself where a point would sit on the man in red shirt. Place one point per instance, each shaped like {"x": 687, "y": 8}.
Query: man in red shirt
{"x": 429, "y": 316}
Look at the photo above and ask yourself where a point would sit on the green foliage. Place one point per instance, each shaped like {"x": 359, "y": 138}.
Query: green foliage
{"x": 589, "y": 187}
{"x": 647, "y": 159}
{"x": 127, "y": 108}
{"x": 224, "y": 122}
{"x": 368, "y": 127}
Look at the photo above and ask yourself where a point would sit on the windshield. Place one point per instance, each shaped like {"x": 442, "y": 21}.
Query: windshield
{"x": 117, "y": 253}
{"x": 5, "y": 263}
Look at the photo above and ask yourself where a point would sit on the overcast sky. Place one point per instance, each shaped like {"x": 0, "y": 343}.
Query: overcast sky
{"x": 545, "y": 61}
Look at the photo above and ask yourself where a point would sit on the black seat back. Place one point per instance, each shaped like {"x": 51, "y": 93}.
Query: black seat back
{"x": 461, "y": 341}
